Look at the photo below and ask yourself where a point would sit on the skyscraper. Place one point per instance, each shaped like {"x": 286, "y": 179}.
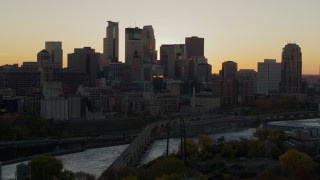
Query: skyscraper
{"x": 111, "y": 44}
{"x": 291, "y": 66}
{"x": 55, "y": 50}
{"x": 134, "y": 44}
{"x": 194, "y": 46}
{"x": 85, "y": 60}
{"x": 268, "y": 76}
{"x": 229, "y": 69}
{"x": 149, "y": 44}
{"x": 169, "y": 55}
{"x": 43, "y": 59}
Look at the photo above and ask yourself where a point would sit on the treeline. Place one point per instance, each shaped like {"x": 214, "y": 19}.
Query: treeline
{"x": 264, "y": 157}
{"x": 278, "y": 105}
{"x": 27, "y": 126}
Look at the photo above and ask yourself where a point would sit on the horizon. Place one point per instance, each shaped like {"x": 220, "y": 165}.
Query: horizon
{"x": 245, "y": 32}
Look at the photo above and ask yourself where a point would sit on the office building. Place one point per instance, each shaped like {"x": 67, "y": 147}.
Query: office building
{"x": 193, "y": 66}
{"x": 291, "y": 69}
{"x": 85, "y": 60}
{"x": 133, "y": 44}
{"x": 268, "y": 76}
{"x": 203, "y": 72}
{"x": 55, "y": 50}
{"x": 19, "y": 79}
{"x": 194, "y": 46}
{"x": 248, "y": 74}
{"x": 229, "y": 69}
{"x": 169, "y": 55}
{"x": 43, "y": 59}
{"x": 111, "y": 45}
{"x": 149, "y": 45}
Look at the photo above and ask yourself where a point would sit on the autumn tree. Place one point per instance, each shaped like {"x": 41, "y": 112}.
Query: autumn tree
{"x": 294, "y": 161}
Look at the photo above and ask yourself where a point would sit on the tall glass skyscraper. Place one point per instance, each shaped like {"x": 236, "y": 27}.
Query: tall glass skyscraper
{"x": 111, "y": 44}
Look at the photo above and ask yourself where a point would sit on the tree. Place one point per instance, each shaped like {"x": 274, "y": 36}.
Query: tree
{"x": 261, "y": 134}
{"x": 256, "y": 148}
{"x": 45, "y": 167}
{"x": 130, "y": 178}
{"x": 173, "y": 176}
{"x": 267, "y": 173}
{"x": 295, "y": 161}
{"x": 67, "y": 175}
{"x": 221, "y": 140}
{"x": 168, "y": 166}
{"x": 192, "y": 148}
{"x": 228, "y": 150}
{"x": 204, "y": 142}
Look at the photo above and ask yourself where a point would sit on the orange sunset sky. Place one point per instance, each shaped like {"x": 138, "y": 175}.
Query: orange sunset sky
{"x": 244, "y": 31}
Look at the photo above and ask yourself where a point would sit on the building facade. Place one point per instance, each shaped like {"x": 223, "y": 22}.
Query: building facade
{"x": 111, "y": 45}
{"x": 268, "y": 76}
{"x": 133, "y": 44}
{"x": 229, "y": 69}
{"x": 149, "y": 45}
{"x": 55, "y": 50}
{"x": 85, "y": 60}
{"x": 291, "y": 69}
{"x": 194, "y": 46}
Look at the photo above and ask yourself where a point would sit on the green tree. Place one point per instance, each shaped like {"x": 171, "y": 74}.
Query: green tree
{"x": 130, "y": 178}
{"x": 67, "y": 175}
{"x": 256, "y": 148}
{"x": 173, "y": 176}
{"x": 267, "y": 173}
{"x": 204, "y": 142}
{"x": 295, "y": 161}
{"x": 45, "y": 167}
{"x": 228, "y": 150}
{"x": 192, "y": 148}
{"x": 168, "y": 166}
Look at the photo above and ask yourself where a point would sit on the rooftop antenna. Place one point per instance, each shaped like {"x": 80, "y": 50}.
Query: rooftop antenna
{"x": 135, "y": 23}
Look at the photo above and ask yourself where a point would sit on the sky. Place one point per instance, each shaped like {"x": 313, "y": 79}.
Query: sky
{"x": 244, "y": 31}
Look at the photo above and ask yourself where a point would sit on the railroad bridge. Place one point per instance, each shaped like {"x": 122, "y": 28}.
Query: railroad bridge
{"x": 134, "y": 151}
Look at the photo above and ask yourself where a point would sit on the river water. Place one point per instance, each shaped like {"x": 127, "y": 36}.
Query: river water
{"x": 95, "y": 161}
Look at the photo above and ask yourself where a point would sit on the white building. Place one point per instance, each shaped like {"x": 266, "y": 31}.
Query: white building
{"x": 54, "y": 105}
{"x": 268, "y": 76}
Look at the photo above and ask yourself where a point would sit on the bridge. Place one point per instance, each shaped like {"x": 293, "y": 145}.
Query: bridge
{"x": 134, "y": 151}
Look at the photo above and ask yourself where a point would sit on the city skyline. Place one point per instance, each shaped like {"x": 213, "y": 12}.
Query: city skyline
{"x": 245, "y": 32}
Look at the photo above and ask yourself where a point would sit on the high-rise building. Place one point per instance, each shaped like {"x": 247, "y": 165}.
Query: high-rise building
{"x": 268, "y": 76}
{"x": 55, "y": 50}
{"x": 134, "y": 44}
{"x": 111, "y": 45}
{"x": 229, "y": 69}
{"x": 43, "y": 58}
{"x": 204, "y": 72}
{"x": 169, "y": 55}
{"x": 149, "y": 44}
{"x": 85, "y": 60}
{"x": 291, "y": 69}
{"x": 248, "y": 74}
{"x": 194, "y": 46}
